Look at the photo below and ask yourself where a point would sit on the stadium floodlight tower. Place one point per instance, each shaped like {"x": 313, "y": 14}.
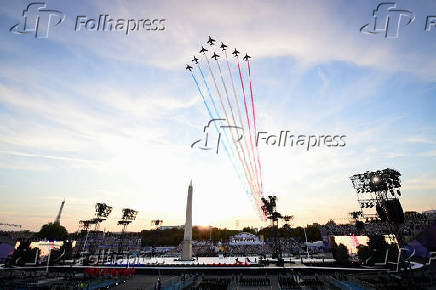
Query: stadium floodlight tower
{"x": 129, "y": 215}
{"x": 86, "y": 223}
{"x": 102, "y": 211}
{"x": 270, "y": 210}
{"x": 155, "y": 224}
{"x": 287, "y": 219}
{"x": 378, "y": 195}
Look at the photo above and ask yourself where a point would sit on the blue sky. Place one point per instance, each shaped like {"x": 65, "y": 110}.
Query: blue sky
{"x": 101, "y": 116}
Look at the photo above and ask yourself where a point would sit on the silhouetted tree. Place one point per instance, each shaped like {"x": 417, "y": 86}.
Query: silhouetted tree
{"x": 285, "y": 231}
{"x": 53, "y": 232}
{"x": 249, "y": 230}
{"x": 169, "y": 237}
{"x": 340, "y": 253}
{"x": 298, "y": 233}
{"x": 313, "y": 233}
{"x": 330, "y": 223}
{"x": 360, "y": 225}
{"x": 267, "y": 233}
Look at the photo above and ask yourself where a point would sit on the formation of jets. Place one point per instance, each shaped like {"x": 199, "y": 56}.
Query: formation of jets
{"x": 215, "y": 56}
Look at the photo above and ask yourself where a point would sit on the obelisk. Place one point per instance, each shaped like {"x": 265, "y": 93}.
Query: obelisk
{"x": 187, "y": 240}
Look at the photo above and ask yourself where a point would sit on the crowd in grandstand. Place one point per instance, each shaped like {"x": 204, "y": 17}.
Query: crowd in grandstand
{"x": 412, "y": 226}
{"x": 246, "y": 249}
{"x": 98, "y": 242}
{"x": 332, "y": 229}
{"x": 290, "y": 246}
{"x": 199, "y": 248}
{"x": 208, "y": 248}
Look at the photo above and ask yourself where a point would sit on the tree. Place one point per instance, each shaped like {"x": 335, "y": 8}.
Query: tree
{"x": 298, "y": 233}
{"x": 169, "y": 237}
{"x": 313, "y": 232}
{"x": 340, "y": 253}
{"x": 330, "y": 223}
{"x": 285, "y": 231}
{"x": 249, "y": 230}
{"x": 266, "y": 232}
{"x": 360, "y": 225}
{"x": 53, "y": 232}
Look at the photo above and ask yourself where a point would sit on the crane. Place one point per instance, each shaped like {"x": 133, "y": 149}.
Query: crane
{"x": 58, "y": 217}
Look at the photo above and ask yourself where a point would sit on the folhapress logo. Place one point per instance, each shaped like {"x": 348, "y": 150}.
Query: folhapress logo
{"x": 38, "y": 20}
{"x": 388, "y": 20}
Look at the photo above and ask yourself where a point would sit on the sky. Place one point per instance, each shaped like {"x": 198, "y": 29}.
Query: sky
{"x": 101, "y": 116}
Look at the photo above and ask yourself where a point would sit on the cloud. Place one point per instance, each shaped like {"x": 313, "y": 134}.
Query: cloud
{"x": 421, "y": 183}
{"x": 428, "y": 154}
{"x": 311, "y": 32}
{"x": 23, "y": 154}
{"x": 423, "y": 140}
{"x": 395, "y": 155}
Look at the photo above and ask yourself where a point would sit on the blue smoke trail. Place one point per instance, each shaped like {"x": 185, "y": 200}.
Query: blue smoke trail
{"x": 208, "y": 90}
{"x": 216, "y": 128}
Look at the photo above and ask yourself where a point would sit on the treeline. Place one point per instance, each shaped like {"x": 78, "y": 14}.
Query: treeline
{"x": 312, "y": 231}
{"x": 173, "y": 237}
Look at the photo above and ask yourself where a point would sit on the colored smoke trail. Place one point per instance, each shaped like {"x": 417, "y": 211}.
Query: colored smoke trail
{"x": 247, "y": 152}
{"x": 217, "y": 117}
{"x": 241, "y": 159}
{"x": 248, "y": 169}
{"x": 255, "y": 130}
{"x": 249, "y": 126}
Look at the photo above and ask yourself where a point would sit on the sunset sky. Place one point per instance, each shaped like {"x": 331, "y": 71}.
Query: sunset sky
{"x": 101, "y": 116}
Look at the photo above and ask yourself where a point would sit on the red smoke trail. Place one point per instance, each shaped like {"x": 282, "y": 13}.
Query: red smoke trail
{"x": 255, "y": 130}
{"x": 249, "y": 127}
